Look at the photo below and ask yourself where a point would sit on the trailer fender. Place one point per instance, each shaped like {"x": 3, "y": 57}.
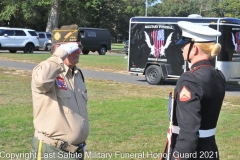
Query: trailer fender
{"x": 166, "y": 69}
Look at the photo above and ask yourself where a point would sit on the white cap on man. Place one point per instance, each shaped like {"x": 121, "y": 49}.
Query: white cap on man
{"x": 192, "y": 32}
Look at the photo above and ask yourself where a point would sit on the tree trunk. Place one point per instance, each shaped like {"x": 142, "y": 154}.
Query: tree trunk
{"x": 53, "y": 16}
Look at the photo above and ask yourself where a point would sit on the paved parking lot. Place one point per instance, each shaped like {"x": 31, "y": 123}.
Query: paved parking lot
{"x": 233, "y": 90}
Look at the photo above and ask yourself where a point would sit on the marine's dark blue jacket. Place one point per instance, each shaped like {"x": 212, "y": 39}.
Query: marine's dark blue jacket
{"x": 198, "y": 97}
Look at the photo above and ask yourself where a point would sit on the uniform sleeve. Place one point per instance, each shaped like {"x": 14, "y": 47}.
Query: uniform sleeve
{"x": 188, "y": 113}
{"x": 44, "y": 74}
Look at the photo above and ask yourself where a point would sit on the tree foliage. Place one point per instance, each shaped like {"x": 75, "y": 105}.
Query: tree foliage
{"x": 24, "y": 13}
{"x": 111, "y": 14}
{"x": 230, "y": 8}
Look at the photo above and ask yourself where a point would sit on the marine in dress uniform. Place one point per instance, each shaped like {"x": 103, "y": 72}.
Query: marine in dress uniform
{"x": 59, "y": 106}
{"x": 198, "y": 97}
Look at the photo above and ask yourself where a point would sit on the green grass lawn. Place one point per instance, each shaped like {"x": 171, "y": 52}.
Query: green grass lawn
{"x": 117, "y": 46}
{"x": 124, "y": 118}
{"x": 91, "y": 61}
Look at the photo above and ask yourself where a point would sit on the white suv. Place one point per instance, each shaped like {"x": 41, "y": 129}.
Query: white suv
{"x": 14, "y": 39}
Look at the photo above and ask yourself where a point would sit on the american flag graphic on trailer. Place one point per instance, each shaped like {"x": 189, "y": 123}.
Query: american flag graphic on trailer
{"x": 158, "y": 41}
{"x": 237, "y": 41}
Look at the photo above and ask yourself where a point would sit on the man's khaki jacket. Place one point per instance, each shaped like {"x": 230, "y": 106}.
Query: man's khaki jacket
{"x": 59, "y": 100}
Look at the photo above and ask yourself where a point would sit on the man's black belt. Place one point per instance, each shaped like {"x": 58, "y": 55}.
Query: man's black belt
{"x": 59, "y": 143}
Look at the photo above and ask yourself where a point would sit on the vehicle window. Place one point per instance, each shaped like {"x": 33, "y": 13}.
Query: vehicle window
{"x": 41, "y": 35}
{"x": 82, "y": 34}
{"x": 91, "y": 34}
{"x": 33, "y": 33}
{"x": 1, "y": 32}
{"x": 20, "y": 33}
{"x": 49, "y": 35}
{"x": 9, "y": 32}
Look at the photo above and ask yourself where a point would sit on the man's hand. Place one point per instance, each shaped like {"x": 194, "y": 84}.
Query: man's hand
{"x": 69, "y": 47}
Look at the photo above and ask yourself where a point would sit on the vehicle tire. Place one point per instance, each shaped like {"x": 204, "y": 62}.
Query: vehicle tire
{"x": 12, "y": 51}
{"x": 48, "y": 47}
{"x": 102, "y": 50}
{"x": 153, "y": 74}
{"x": 29, "y": 48}
{"x": 85, "y": 52}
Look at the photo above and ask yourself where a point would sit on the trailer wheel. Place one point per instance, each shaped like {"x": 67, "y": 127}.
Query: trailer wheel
{"x": 153, "y": 75}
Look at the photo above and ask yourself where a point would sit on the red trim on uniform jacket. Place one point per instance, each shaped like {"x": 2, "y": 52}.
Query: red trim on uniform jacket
{"x": 196, "y": 68}
{"x": 176, "y": 157}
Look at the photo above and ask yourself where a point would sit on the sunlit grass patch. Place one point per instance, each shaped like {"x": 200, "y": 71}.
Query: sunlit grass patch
{"x": 124, "y": 118}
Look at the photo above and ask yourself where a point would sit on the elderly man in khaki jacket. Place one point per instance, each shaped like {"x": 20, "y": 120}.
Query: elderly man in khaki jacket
{"x": 59, "y": 106}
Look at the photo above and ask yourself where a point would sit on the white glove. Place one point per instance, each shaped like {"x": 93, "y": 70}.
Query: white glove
{"x": 69, "y": 47}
